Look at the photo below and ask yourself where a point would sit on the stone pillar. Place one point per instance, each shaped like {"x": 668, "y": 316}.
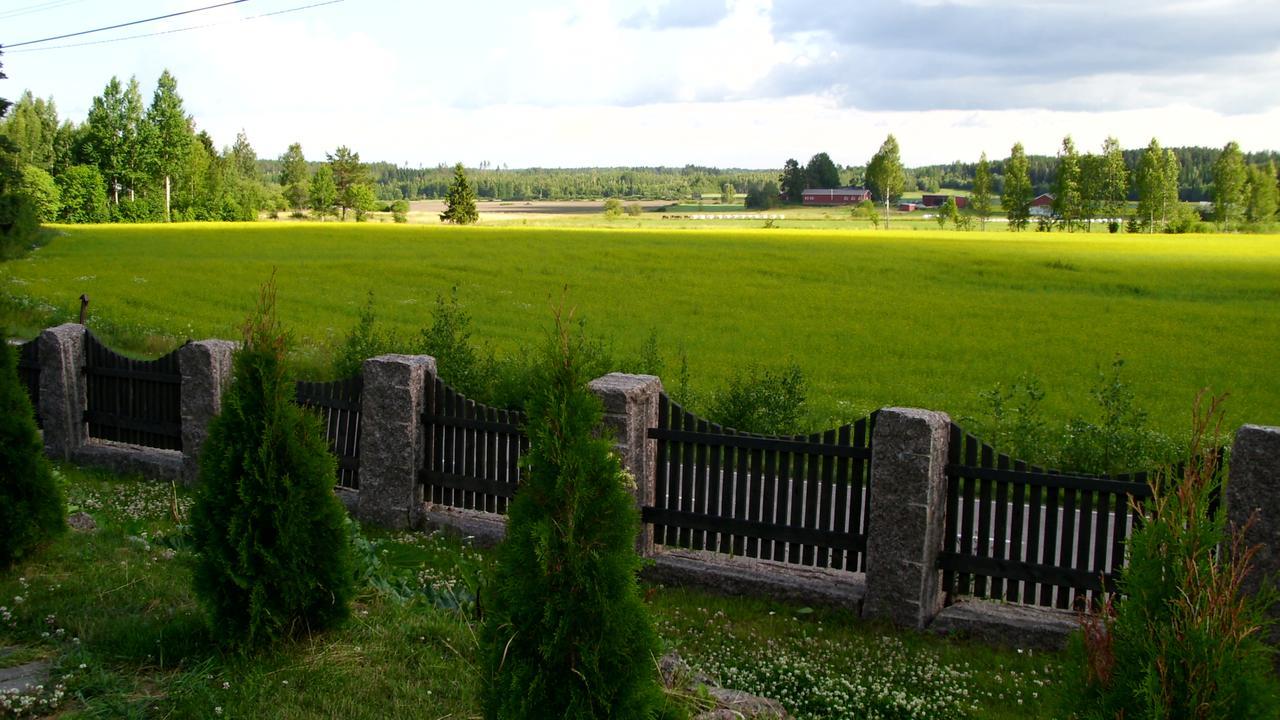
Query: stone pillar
{"x": 391, "y": 438}
{"x": 206, "y": 372}
{"x": 62, "y": 390}
{"x": 1254, "y": 487}
{"x": 905, "y": 527}
{"x": 630, "y": 409}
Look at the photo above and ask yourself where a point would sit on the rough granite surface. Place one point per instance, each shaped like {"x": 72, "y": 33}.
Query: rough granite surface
{"x": 391, "y": 437}
{"x": 1254, "y": 488}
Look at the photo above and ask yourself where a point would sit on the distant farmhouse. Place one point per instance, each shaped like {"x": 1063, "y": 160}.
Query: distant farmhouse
{"x": 836, "y": 196}
{"x": 1042, "y": 206}
{"x": 932, "y": 201}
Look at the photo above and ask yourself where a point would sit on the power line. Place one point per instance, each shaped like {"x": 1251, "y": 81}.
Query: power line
{"x": 178, "y": 30}
{"x": 127, "y": 24}
{"x": 38, "y": 7}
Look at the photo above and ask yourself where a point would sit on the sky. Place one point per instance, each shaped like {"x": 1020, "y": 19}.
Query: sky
{"x": 726, "y": 83}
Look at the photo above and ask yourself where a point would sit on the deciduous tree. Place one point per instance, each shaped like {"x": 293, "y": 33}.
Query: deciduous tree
{"x": 83, "y": 195}
{"x": 980, "y": 198}
{"x": 1229, "y": 177}
{"x": 168, "y": 133}
{"x": 1017, "y": 189}
{"x": 1150, "y": 180}
{"x": 1113, "y": 181}
{"x": 1068, "y": 203}
{"x": 885, "y": 177}
{"x": 1262, "y": 193}
{"x": 323, "y": 193}
{"x": 294, "y": 176}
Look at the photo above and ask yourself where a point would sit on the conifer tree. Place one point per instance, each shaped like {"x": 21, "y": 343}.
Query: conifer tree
{"x": 271, "y": 544}
{"x": 566, "y": 634}
{"x": 460, "y": 202}
{"x": 31, "y": 507}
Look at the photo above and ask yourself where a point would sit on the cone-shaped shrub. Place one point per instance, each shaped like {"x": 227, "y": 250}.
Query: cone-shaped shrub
{"x": 31, "y": 507}
{"x": 272, "y": 554}
{"x": 565, "y": 632}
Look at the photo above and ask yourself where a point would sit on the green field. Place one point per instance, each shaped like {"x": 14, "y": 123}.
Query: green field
{"x": 915, "y": 318}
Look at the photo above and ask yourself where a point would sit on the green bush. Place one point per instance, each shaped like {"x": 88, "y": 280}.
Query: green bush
{"x": 84, "y": 195}
{"x": 365, "y": 340}
{"x": 1183, "y": 641}
{"x": 565, "y": 633}
{"x": 1119, "y": 438}
{"x": 31, "y": 509}
{"x": 462, "y": 364}
{"x": 762, "y": 400}
{"x": 272, "y": 549}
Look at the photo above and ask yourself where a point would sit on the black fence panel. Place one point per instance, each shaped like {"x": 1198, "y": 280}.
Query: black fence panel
{"x": 796, "y": 499}
{"x": 338, "y": 404}
{"x": 473, "y": 451}
{"x": 133, "y": 401}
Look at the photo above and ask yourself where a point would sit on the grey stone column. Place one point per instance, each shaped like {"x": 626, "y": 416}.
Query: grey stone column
{"x": 391, "y": 438}
{"x": 1254, "y": 487}
{"x": 206, "y": 372}
{"x": 62, "y": 390}
{"x": 905, "y": 528}
{"x": 630, "y": 409}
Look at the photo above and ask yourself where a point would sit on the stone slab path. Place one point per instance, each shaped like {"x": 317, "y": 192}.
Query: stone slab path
{"x": 23, "y": 677}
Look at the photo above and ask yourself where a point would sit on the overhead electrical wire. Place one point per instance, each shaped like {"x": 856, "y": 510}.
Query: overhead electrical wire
{"x": 178, "y": 30}
{"x": 38, "y": 7}
{"x": 126, "y": 24}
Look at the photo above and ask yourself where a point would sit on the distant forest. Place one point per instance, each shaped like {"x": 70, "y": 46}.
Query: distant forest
{"x": 499, "y": 183}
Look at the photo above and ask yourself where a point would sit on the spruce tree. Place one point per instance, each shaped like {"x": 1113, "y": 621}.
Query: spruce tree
{"x": 460, "y": 202}
{"x": 565, "y": 632}
{"x": 31, "y": 509}
{"x": 272, "y": 552}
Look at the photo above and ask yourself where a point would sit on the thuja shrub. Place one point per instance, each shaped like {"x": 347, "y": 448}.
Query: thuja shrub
{"x": 1182, "y": 640}
{"x": 272, "y": 553}
{"x": 31, "y": 509}
{"x": 565, "y": 632}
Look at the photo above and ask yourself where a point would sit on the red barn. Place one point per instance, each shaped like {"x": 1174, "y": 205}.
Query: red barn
{"x": 931, "y": 201}
{"x": 836, "y": 196}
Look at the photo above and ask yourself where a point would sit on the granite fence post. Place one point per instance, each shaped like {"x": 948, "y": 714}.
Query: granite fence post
{"x": 905, "y": 526}
{"x": 630, "y": 409}
{"x": 206, "y": 372}
{"x": 62, "y": 390}
{"x": 391, "y": 438}
{"x": 1254, "y": 487}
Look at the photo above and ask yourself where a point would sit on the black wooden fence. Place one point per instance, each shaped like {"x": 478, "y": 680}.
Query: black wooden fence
{"x": 1029, "y": 535}
{"x": 133, "y": 401}
{"x": 338, "y": 404}
{"x": 472, "y": 457}
{"x": 797, "y": 499}
{"x": 29, "y": 372}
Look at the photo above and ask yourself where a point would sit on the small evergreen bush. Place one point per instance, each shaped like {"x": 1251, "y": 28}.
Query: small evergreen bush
{"x": 31, "y": 509}
{"x": 769, "y": 400}
{"x": 1182, "y": 641}
{"x": 272, "y": 550}
{"x": 565, "y": 632}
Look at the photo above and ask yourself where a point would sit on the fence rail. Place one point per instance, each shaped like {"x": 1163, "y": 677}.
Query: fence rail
{"x": 29, "y": 372}
{"x": 473, "y": 451}
{"x": 133, "y": 401}
{"x": 1029, "y": 535}
{"x": 795, "y": 499}
{"x": 338, "y": 404}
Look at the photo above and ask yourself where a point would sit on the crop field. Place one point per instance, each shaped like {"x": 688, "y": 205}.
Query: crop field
{"x": 914, "y": 318}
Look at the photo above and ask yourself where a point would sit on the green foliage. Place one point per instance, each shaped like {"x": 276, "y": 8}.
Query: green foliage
{"x": 1118, "y": 438}
{"x": 793, "y": 181}
{"x": 648, "y": 359}
{"x": 294, "y": 177}
{"x": 1018, "y": 194}
{"x": 361, "y": 200}
{"x": 1068, "y": 194}
{"x": 83, "y": 195}
{"x": 565, "y": 632}
{"x": 31, "y": 509}
{"x": 769, "y": 400}
{"x": 634, "y": 209}
{"x": 1016, "y": 426}
{"x": 821, "y": 172}
{"x": 1183, "y": 640}
{"x": 323, "y": 193}
{"x": 363, "y": 341}
{"x": 272, "y": 550}
{"x": 349, "y": 175}
{"x": 460, "y": 203}
{"x": 762, "y": 196}
{"x": 613, "y": 208}
{"x": 867, "y": 210}
{"x": 1262, "y": 194}
{"x": 727, "y": 194}
{"x": 42, "y": 191}
{"x": 459, "y": 362}
{"x": 1229, "y": 178}
{"x": 980, "y": 199}
{"x": 885, "y": 176}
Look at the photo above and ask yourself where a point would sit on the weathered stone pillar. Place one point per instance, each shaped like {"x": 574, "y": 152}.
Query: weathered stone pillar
{"x": 62, "y": 390}
{"x": 630, "y": 409}
{"x": 1254, "y": 486}
{"x": 391, "y": 438}
{"x": 206, "y": 372}
{"x": 905, "y": 527}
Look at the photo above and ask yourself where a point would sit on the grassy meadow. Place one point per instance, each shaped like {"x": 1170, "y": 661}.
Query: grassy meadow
{"x": 917, "y": 318}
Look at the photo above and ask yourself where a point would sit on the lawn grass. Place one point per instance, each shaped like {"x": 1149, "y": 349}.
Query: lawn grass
{"x": 114, "y": 611}
{"x": 912, "y": 318}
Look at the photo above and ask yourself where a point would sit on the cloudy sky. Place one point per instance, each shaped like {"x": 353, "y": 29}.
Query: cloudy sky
{"x": 730, "y": 83}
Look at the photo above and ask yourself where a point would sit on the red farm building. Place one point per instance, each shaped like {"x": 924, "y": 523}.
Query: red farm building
{"x": 836, "y": 196}
{"x": 932, "y": 201}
